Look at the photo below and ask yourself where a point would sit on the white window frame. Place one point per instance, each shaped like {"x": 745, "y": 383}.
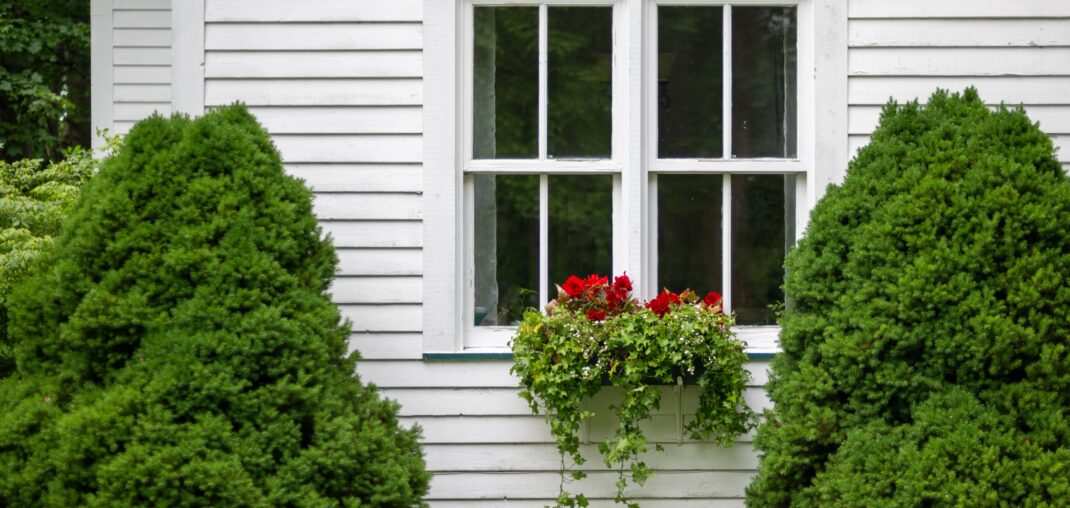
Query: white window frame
{"x": 448, "y": 285}
{"x": 495, "y": 337}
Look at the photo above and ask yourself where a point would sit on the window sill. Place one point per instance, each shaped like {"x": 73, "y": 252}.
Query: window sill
{"x": 761, "y": 346}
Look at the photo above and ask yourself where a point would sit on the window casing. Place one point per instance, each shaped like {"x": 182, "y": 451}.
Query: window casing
{"x": 633, "y": 166}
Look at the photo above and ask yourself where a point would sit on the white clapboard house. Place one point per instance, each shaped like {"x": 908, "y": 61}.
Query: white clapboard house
{"x": 467, "y": 154}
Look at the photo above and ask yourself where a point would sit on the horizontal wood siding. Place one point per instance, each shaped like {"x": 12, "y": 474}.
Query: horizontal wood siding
{"x": 477, "y": 429}
{"x": 338, "y": 85}
{"x": 141, "y": 60}
{"x": 1015, "y": 53}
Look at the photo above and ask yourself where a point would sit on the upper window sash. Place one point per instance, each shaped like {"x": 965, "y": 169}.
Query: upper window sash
{"x": 801, "y": 163}
{"x": 542, "y": 163}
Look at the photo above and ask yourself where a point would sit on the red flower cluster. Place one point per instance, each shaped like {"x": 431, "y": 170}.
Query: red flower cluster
{"x": 597, "y": 299}
{"x": 660, "y": 304}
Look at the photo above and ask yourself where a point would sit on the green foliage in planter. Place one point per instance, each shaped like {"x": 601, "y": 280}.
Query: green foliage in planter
{"x": 926, "y": 352}
{"x": 181, "y": 348}
{"x": 567, "y": 355}
{"x": 34, "y": 198}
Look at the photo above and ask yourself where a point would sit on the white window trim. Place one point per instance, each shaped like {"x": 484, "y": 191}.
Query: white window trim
{"x": 823, "y": 152}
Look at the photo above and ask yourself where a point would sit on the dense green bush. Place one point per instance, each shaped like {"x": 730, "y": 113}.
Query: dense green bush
{"x": 34, "y": 198}
{"x": 182, "y": 350}
{"x": 926, "y": 348}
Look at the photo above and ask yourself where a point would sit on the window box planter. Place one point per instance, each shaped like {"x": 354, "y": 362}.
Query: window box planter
{"x": 595, "y": 335}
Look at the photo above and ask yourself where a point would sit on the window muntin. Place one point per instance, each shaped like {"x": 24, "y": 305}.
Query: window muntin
{"x": 772, "y": 122}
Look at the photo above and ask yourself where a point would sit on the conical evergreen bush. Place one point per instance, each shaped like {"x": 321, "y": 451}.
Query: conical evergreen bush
{"x": 181, "y": 348}
{"x": 926, "y": 346}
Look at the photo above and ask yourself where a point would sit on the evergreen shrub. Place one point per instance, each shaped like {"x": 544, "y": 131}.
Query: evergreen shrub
{"x": 181, "y": 348}
{"x": 926, "y": 345}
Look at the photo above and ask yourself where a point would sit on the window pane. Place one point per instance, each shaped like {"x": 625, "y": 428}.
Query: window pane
{"x": 506, "y": 83}
{"x": 506, "y": 247}
{"x": 580, "y": 82}
{"x": 689, "y": 82}
{"x": 689, "y": 232}
{"x": 581, "y": 227}
{"x": 763, "y": 82}
{"x": 760, "y": 223}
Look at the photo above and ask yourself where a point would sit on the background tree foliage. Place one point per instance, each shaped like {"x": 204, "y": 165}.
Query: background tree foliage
{"x": 926, "y": 353}
{"x": 44, "y": 78}
{"x": 180, "y": 347}
{"x": 35, "y": 196}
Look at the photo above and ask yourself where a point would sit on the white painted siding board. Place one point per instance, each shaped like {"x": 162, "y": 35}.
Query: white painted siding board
{"x": 533, "y": 429}
{"x": 381, "y": 234}
{"x": 349, "y": 148}
{"x": 142, "y": 93}
{"x": 341, "y": 120}
{"x": 313, "y": 36}
{"x": 311, "y": 92}
{"x": 383, "y": 318}
{"x": 475, "y": 374}
{"x": 266, "y": 11}
{"x": 875, "y": 90}
{"x": 945, "y": 33}
{"x": 325, "y": 177}
{"x": 121, "y": 128}
{"x": 367, "y": 206}
{"x": 544, "y": 457}
{"x": 143, "y": 74}
{"x": 507, "y": 401}
{"x": 374, "y": 290}
{"x": 142, "y": 19}
{"x": 148, "y": 5}
{"x": 143, "y": 37}
{"x": 141, "y": 56}
{"x": 380, "y": 262}
{"x": 960, "y": 61}
{"x": 313, "y": 64}
{"x": 136, "y": 111}
{"x": 678, "y": 484}
{"x": 387, "y": 346}
{"x": 594, "y": 503}
{"x": 959, "y": 8}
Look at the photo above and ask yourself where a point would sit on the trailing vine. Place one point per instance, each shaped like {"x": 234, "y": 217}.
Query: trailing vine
{"x": 596, "y": 334}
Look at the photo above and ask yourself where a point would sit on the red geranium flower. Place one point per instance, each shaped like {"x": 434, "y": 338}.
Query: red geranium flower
{"x": 660, "y": 303}
{"x": 713, "y": 299}
{"x": 574, "y": 286}
{"x": 622, "y": 283}
{"x": 595, "y": 280}
{"x": 596, "y": 315}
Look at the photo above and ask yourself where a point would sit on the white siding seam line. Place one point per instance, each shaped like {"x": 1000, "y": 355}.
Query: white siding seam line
{"x": 102, "y": 71}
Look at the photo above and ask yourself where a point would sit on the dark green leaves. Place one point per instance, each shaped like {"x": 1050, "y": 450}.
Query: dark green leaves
{"x": 180, "y": 347}
{"x": 940, "y": 264}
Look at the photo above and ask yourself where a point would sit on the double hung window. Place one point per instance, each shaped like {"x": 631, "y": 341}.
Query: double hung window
{"x": 658, "y": 138}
